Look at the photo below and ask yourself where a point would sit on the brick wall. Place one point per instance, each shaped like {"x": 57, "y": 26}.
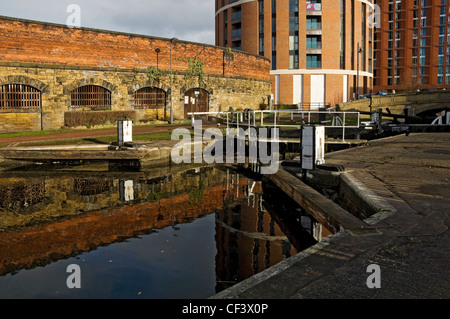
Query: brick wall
{"x": 43, "y": 43}
{"x": 56, "y": 60}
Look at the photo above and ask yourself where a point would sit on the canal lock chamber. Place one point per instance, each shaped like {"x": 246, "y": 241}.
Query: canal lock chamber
{"x": 182, "y": 232}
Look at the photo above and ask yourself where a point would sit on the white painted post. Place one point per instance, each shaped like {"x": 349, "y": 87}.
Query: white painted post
{"x": 313, "y": 146}
{"x": 343, "y": 128}
{"x": 275, "y": 124}
{"x": 307, "y": 147}
{"x": 124, "y": 132}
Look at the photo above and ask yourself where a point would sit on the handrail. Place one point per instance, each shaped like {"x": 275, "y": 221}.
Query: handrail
{"x": 248, "y": 118}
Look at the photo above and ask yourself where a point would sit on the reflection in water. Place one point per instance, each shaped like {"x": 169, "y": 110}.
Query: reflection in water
{"x": 149, "y": 234}
{"x": 18, "y": 195}
{"x": 247, "y": 237}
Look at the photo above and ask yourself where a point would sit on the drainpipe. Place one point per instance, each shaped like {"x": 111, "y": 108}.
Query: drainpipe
{"x": 42, "y": 117}
{"x": 171, "y": 102}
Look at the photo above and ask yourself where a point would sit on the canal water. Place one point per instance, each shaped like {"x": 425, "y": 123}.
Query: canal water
{"x": 180, "y": 232}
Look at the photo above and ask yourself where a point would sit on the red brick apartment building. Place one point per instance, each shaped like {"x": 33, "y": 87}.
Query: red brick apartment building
{"x": 412, "y": 45}
{"x": 315, "y": 46}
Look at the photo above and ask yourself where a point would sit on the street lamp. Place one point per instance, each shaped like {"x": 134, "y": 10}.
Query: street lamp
{"x": 360, "y": 51}
{"x": 171, "y": 103}
{"x": 157, "y": 58}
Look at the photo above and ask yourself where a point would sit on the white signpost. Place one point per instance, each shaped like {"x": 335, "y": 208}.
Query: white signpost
{"x": 313, "y": 146}
{"x": 124, "y": 132}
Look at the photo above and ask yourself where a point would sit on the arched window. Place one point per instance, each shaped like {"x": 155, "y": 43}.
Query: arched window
{"x": 91, "y": 186}
{"x": 19, "y": 96}
{"x": 91, "y": 97}
{"x": 149, "y": 97}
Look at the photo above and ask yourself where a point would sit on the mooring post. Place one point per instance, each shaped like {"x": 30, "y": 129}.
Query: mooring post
{"x": 379, "y": 119}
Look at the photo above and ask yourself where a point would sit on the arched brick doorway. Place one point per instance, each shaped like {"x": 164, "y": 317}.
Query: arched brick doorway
{"x": 196, "y": 100}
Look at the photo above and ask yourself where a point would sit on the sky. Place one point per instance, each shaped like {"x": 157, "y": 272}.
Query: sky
{"x": 189, "y": 20}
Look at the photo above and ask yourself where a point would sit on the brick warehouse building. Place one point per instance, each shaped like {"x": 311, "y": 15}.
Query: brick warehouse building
{"x": 313, "y": 45}
{"x": 412, "y": 47}
{"x": 50, "y": 73}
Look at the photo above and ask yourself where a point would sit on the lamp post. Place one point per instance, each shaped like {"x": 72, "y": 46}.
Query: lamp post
{"x": 360, "y": 50}
{"x": 157, "y": 58}
{"x": 171, "y": 103}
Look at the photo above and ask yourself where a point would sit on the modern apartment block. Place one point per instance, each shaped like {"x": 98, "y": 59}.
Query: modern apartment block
{"x": 412, "y": 45}
{"x": 321, "y": 50}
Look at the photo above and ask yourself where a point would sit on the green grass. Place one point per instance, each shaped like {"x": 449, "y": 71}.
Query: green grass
{"x": 157, "y": 136}
{"x": 68, "y": 130}
{"x": 36, "y": 133}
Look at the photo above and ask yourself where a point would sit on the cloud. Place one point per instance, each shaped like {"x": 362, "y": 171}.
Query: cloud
{"x": 190, "y": 20}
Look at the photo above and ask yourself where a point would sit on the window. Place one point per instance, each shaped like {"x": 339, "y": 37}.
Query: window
{"x": 440, "y": 75}
{"x": 313, "y": 23}
{"x": 293, "y": 42}
{"x": 293, "y": 23}
{"x": 313, "y": 42}
{"x": 149, "y": 97}
{"x": 261, "y": 27}
{"x": 313, "y": 61}
{"x": 447, "y": 75}
{"x": 91, "y": 97}
{"x": 19, "y": 96}
{"x": 293, "y": 34}
{"x": 342, "y": 34}
{"x": 293, "y": 61}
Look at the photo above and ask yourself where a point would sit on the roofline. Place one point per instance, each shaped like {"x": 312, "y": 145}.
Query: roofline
{"x": 58, "y": 25}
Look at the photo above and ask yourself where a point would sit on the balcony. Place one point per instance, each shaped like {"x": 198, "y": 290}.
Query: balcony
{"x": 236, "y": 35}
{"x": 313, "y": 51}
{"x": 236, "y": 17}
{"x": 313, "y": 61}
{"x": 313, "y": 26}
{"x": 313, "y": 9}
{"x": 313, "y": 64}
{"x": 313, "y": 45}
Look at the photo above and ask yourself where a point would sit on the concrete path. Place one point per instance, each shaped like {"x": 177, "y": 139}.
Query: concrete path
{"x": 412, "y": 175}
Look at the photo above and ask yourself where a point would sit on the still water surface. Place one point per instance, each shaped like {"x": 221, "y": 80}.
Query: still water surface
{"x": 188, "y": 233}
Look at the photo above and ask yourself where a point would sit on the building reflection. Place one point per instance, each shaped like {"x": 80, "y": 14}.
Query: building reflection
{"x": 58, "y": 216}
{"x": 259, "y": 227}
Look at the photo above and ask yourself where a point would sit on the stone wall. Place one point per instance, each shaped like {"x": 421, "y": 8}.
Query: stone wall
{"x": 56, "y": 60}
{"x": 417, "y": 103}
{"x": 58, "y": 82}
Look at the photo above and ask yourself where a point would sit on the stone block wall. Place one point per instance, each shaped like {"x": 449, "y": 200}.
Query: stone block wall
{"x": 58, "y": 82}
{"x": 20, "y": 122}
{"x": 417, "y": 102}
